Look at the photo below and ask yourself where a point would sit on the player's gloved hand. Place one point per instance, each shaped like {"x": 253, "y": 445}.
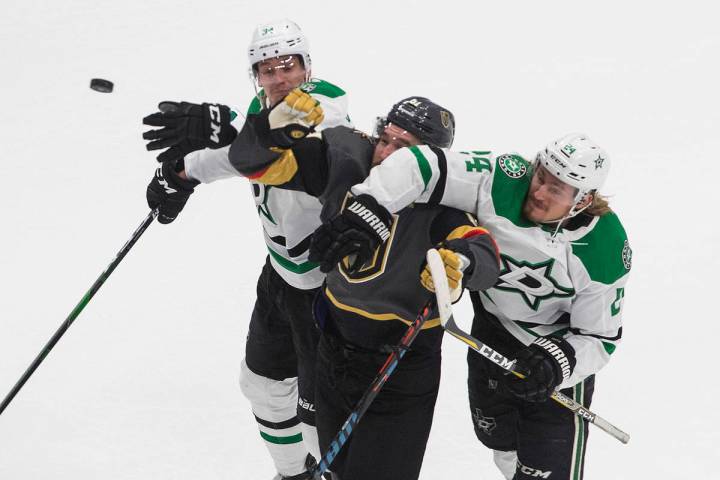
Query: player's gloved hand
{"x": 169, "y": 191}
{"x": 545, "y": 363}
{"x": 294, "y": 118}
{"x": 188, "y": 127}
{"x": 358, "y": 231}
{"x": 458, "y": 260}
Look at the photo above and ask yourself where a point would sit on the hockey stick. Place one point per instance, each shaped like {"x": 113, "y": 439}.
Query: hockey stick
{"x": 382, "y": 376}
{"x": 442, "y": 291}
{"x": 78, "y": 308}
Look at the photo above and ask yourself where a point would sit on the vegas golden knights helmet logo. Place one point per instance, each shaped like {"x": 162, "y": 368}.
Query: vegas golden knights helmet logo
{"x": 445, "y": 118}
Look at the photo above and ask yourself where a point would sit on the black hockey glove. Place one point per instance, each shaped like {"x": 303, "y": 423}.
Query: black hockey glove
{"x": 188, "y": 127}
{"x": 359, "y": 230}
{"x": 168, "y": 191}
{"x": 459, "y": 263}
{"x": 545, "y": 363}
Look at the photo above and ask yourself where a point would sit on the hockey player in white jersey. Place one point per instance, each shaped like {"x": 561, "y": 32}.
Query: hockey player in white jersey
{"x": 557, "y": 304}
{"x": 277, "y": 373}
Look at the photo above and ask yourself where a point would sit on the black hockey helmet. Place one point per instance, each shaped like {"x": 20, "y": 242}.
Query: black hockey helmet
{"x": 428, "y": 121}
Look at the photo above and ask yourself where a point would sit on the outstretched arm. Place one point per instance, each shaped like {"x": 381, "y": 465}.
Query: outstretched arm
{"x": 424, "y": 174}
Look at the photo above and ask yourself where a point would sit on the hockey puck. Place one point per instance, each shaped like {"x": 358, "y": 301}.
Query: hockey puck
{"x": 101, "y": 85}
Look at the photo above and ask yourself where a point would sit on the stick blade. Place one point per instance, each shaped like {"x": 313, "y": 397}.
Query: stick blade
{"x": 442, "y": 289}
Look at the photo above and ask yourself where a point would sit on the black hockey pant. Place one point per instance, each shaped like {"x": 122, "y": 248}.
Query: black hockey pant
{"x": 549, "y": 439}
{"x": 389, "y": 441}
{"x": 282, "y": 337}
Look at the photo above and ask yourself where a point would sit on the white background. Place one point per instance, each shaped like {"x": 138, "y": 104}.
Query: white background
{"x": 143, "y": 386}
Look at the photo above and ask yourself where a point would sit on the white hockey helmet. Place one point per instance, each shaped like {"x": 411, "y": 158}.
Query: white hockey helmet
{"x": 577, "y": 161}
{"x": 278, "y": 39}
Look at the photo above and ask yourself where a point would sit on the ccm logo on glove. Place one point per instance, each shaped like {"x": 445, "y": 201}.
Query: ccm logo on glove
{"x": 215, "y": 117}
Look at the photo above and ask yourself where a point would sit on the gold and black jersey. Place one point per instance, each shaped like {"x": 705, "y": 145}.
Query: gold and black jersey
{"x": 372, "y": 307}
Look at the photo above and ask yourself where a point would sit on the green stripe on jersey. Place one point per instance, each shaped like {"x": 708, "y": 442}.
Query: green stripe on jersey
{"x": 255, "y": 106}
{"x": 604, "y": 250}
{"x": 509, "y": 191}
{"x": 282, "y": 440}
{"x": 321, "y": 87}
{"x": 299, "y": 268}
{"x": 423, "y": 165}
{"x": 609, "y": 347}
{"x": 313, "y": 87}
{"x": 580, "y": 425}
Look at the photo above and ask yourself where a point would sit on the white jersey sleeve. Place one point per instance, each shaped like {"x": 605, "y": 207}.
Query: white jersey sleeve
{"x": 428, "y": 175}
{"x": 599, "y": 266}
{"x": 207, "y": 165}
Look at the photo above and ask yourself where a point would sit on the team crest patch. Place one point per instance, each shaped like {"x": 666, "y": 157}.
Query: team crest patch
{"x": 445, "y": 118}
{"x": 627, "y": 255}
{"x": 513, "y": 166}
{"x": 486, "y": 424}
{"x": 307, "y": 87}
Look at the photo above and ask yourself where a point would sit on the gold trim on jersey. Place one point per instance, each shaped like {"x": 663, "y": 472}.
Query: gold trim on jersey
{"x": 372, "y": 269}
{"x": 431, "y": 323}
{"x": 280, "y": 171}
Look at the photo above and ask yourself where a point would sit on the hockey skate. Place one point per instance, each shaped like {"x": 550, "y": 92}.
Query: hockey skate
{"x": 310, "y": 464}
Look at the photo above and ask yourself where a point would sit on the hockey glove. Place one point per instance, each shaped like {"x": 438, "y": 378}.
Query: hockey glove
{"x": 188, "y": 127}
{"x": 545, "y": 363}
{"x": 168, "y": 191}
{"x": 358, "y": 231}
{"x": 294, "y": 118}
{"x": 458, "y": 260}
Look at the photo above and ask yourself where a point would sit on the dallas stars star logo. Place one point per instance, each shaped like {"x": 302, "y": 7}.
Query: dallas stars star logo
{"x": 533, "y": 281}
{"x": 262, "y": 194}
{"x": 598, "y": 162}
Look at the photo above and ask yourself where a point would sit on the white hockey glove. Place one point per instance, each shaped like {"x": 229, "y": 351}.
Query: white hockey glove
{"x": 293, "y": 119}
{"x": 297, "y": 107}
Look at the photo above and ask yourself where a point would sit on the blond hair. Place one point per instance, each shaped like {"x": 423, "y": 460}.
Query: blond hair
{"x": 599, "y": 206}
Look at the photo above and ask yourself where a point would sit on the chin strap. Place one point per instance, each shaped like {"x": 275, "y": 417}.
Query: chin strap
{"x": 573, "y": 212}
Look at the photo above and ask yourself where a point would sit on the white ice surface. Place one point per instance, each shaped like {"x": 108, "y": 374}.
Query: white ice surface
{"x": 143, "y": 385}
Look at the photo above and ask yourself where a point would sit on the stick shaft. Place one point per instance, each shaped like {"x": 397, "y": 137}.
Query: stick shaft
{"x": 505, "y": 363}
{"x": 76, "y": 311}
{"x": 372, "y": 391}
{"x": 442, "y": 291}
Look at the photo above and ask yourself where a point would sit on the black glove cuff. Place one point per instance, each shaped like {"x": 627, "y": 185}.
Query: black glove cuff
{"x": 366, "y": 213}
{"x": 170, "y": 171}
{"x": 283, "y": 137}
{"x": 561, "y": 352}
{"x": 461, "y": 246}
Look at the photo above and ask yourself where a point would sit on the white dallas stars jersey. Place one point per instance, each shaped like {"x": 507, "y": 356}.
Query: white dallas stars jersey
{"x": 571, "y": 284}
{"x": 288, "y": 217}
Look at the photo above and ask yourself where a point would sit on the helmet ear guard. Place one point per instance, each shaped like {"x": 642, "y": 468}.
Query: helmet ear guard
{"x": 379, "y": 127}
